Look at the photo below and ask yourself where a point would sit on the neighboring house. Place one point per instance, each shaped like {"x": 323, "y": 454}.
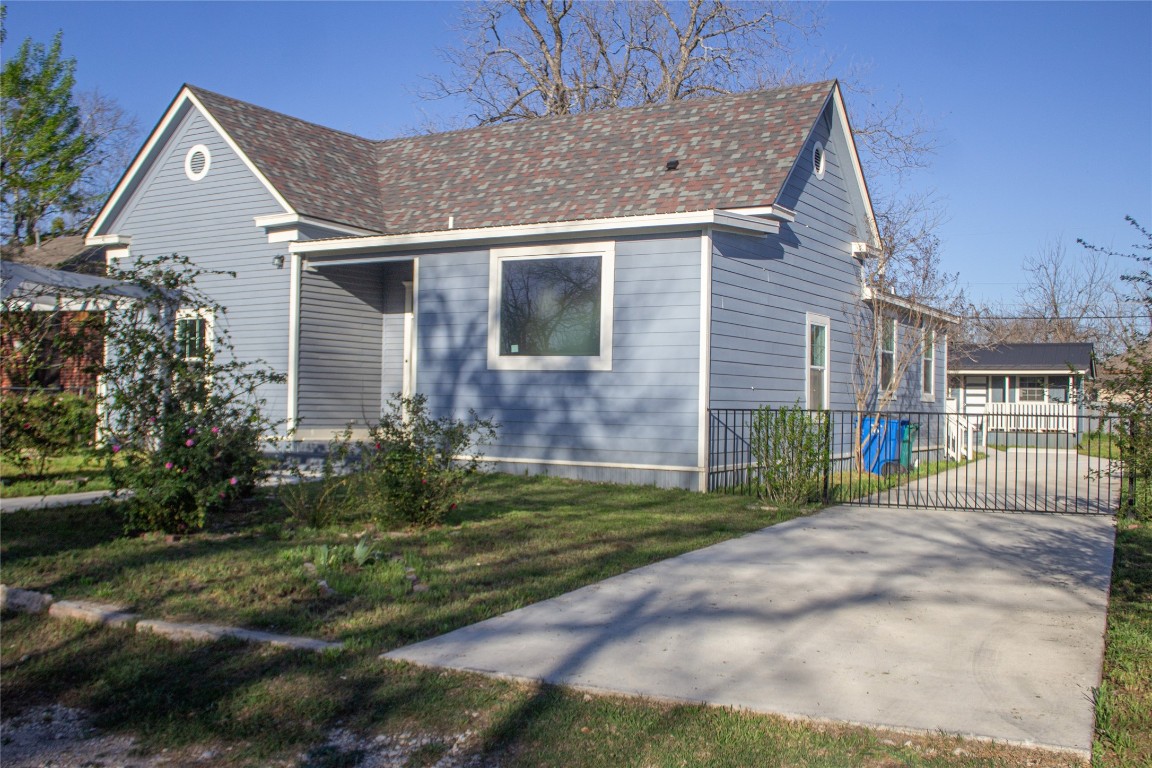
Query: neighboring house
{"x": 594, "y": 283}
{"x": 1022, "y": 387}
{"x": 49, "y": 369}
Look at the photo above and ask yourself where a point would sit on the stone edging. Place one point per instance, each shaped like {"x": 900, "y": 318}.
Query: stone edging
{"x": 27, "y": 601}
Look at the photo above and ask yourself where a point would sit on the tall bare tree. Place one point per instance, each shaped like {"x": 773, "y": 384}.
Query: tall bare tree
{"x": 906, "y": 300}
{"x": 532, "y": 58}
{"x": 1064, "y": 300}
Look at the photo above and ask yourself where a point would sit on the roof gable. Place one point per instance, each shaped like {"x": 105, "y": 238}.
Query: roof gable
{"x": 733, "y": 151}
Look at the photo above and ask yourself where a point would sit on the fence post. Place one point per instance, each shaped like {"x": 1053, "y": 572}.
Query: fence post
{"x": 1128, "y": 465}
{"x": 828, "y": 455}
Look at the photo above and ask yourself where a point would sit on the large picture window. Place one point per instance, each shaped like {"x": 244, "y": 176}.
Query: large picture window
{"x": 550, "y": 308}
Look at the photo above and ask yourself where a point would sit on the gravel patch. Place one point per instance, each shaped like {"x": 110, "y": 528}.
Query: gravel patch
{"x": 61, "y": 737}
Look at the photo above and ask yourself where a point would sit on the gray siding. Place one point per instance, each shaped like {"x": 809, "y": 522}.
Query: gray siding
{"x": 351, "y": 344}
{"x": 643, "y": 411}
{"x": 211, "y": 222}
{"x": 762, "y": 288}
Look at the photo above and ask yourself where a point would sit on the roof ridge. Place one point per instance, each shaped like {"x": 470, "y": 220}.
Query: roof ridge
{"x": 611, "y": 111}
{"x": 196, "y": 90}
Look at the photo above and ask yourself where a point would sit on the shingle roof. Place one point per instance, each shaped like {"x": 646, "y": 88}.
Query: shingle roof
{"x": 1024, "y": 357}
{"x": 733, "y": 151}
{"x": 321, "y": 172}
{"x": 67, "y": 252}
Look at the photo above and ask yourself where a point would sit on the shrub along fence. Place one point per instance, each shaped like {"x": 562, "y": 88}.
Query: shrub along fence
{"x": 917, "y": 458}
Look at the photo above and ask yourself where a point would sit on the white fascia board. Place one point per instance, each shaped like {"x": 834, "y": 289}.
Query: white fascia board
{"x": 769, "y": 211}
{"x": 867, "y": 294}
{"x": 176, "y": 111}
{"x": 104, "y": 241}
{"x": 1018, "y": 372}
{"x": 663, "y": 222}
{"x": 857, "y": 170}
{"x": 274, "y": 220}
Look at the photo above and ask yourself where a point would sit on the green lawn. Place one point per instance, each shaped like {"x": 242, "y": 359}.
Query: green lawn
{"x": 66, "y": 474}
{"x": 518, "y": 541}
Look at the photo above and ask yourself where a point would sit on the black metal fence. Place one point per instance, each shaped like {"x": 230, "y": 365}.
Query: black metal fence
{"x": 1014, "y": 457}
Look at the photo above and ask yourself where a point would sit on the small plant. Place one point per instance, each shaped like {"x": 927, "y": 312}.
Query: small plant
{"x": 363, "y": 554}
{"x": 420, "y": 464}
{"x": 317, "y": 504}
{"x": 791, "y": 453}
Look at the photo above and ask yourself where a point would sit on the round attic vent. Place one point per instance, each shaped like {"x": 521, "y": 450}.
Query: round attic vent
{"x": 818, "y": 160}
{"x": 197, "y": 162}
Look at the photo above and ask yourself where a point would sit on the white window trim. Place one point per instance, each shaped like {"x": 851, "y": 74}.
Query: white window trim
{"x": 207, "y": 316}
{"x": 929, "y": 395}
{"x": 810, "y": 320}
{"x": 606, "y": 250}
{"x": 881, "y": 385}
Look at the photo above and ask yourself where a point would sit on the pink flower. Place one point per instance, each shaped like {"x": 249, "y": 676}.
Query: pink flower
{"x": 221, "y": 494}
{"x": 116, "y": 449}
{"x": 191, "y": 430}
{"x": 152, "y": 420}
{"x": 215, "y": 430}
{"x": 233, "y": 481}
{"x": 189, "y": 443}
{"x": 167, "y": 465}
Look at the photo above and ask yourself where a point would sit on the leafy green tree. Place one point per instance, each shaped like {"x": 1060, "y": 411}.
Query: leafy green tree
{"x": 1127, "y": 382}
{"x": 44, "y": 147}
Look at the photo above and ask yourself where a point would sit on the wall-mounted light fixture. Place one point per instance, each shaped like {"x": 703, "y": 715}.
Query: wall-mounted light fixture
{"x": 278, "y": 261}
{"x": 672, "y": 164}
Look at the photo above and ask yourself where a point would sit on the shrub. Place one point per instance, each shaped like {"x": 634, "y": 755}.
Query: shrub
{"x": 197, "y": 461}
{"x": 184, "y": 412}
{"x": 419, "y": 464}
{"x": 38, "y": 426}
{"x": 791, "y": 453}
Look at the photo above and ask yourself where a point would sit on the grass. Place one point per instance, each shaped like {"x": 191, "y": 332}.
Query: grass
{"x": 518, "y": 541}
{"x": 64, "y": 474}
{"x": 1124, "y": 701}
{"x": 1099, "y": 445}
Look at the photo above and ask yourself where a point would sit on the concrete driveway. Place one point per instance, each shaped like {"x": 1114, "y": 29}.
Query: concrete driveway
{"x": 980, "y": 624}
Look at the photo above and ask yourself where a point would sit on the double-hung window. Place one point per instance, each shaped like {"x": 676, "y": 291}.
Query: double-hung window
{"x": 928, "y": 365}
{"x": 817, "y": 352}
{"x": 887, "y": 351}
{"x": 193, "y": 334}
{"x": 550, "y": 307}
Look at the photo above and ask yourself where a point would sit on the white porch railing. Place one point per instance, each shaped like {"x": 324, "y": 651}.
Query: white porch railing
{"x": 1031, "y": 417}
{"x": 960, "y": 436}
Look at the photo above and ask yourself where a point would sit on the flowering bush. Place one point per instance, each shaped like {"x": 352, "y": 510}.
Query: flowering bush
{"x": 198, "y": 462}
{"x": 184, "y": 414}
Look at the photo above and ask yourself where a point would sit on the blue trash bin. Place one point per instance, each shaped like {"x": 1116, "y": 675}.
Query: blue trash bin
{"x": 881, "y": 440}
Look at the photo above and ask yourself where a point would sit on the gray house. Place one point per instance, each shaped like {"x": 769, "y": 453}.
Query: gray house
{"x": 596, "y": 283}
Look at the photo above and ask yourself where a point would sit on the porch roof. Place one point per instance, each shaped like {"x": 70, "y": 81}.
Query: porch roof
{"x": 1025, "y": 358}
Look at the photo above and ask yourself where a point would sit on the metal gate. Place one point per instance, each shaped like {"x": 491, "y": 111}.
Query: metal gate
{"x": 1008, "y": 459}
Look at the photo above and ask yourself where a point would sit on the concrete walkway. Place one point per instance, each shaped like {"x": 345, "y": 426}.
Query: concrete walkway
{"x": 57, "y": 500}
{"x": 984, "y": 625}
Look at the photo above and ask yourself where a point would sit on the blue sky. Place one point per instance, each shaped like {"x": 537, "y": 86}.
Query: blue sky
{"x": 1043, "y": 110}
